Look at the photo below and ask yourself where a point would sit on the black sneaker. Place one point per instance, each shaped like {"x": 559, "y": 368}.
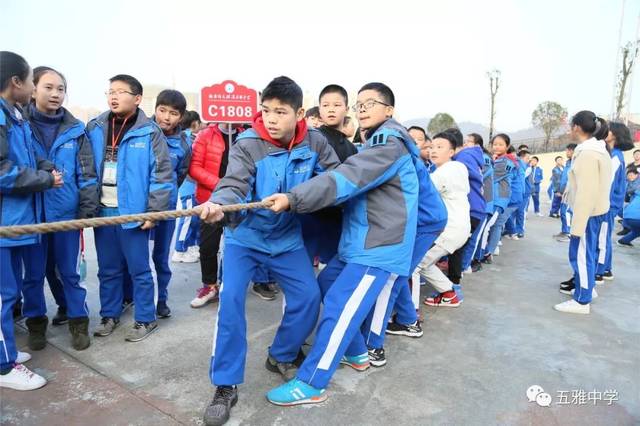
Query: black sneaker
{"x": 217, "y": 413}
{"x": 488, "y": 259}
{"x": 623, "y": 232}
{"x": 263, "y": 291}
{"x": 410, "y": 330}
{"x": 162, "y": 310}
{"x": 377, "y": 357}
{"x": 126, "y": 304}
{"x": 476, "y": 266}
{"x": 599, "y": 279}
{"x": 608, "y": 276}
{"x": 287, "y": 370}
{"x": 61, "y": 317}
{"x": 624, "y": 244}
{"x": 566, "y": 287}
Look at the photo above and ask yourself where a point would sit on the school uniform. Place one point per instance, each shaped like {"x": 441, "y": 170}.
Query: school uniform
{"x": 379, "y": 188}
{"x": 588, "y": 193}
{"x": 537, "y": 178}
{"x": 631, "y": 218}
{"x": 180, "y": 155}
{"x": 565, "y": 211}
{"x": 321, "y": 230}
{"x": 505, "y": 172}
{"x": 258, "y": 167}
{"x": 23, "y": 177}
{"x": 554, "y": 189}
{"x": 134, "y": 176}
{"x": 473, "y": 160}
{"x": 616, "y": 202}
{"x": 491, "y": 214}
{"x": 60, "y": 139}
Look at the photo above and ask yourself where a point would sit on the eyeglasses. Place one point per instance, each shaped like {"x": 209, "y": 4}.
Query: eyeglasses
{"x": 118, "y": 93}
{"x": 367, "y": 105}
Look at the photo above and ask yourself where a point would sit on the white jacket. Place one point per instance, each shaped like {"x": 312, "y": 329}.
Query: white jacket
{"x": 452, "y": 182}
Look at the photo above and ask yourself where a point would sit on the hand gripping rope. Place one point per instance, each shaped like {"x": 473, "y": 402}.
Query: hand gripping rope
{"x": 77, "y": 224}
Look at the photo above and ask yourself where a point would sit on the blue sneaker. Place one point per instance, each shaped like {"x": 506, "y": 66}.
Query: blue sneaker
{"x": 458, "y": 289}
{"x": 357, "y": 362}
{"x": 296, "y": 392}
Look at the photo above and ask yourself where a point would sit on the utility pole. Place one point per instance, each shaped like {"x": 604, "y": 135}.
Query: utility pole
{"x": 494, "y": 84}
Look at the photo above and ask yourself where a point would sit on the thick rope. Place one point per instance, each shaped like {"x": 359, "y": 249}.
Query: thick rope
{"x": 74, "y": 225}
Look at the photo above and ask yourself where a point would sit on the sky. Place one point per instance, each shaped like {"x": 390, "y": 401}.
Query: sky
{"x": 433, "y": 55}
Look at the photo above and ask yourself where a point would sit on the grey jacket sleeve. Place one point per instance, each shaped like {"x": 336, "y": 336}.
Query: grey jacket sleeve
{"x": 19, "y": 179}
{"x": 360, "y": 173}
{"x": 89, "y": 200}
{"x": 237, "y": 183}
{"x": 161, "y": 175}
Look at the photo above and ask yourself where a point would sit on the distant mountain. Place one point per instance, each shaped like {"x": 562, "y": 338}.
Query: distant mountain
{"x": 531, "y": 133}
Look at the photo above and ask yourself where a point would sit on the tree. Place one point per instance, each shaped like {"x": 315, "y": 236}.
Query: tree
{"x": 494, "y": 85}
{"x": 441, "y": 122}
{"x": 549, "y": 116}
{"x": 629, "y": 55}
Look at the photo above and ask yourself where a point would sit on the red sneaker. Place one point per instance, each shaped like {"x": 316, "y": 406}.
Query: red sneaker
{"x": 448, "y": 298}
{"x": 206, "y": 294}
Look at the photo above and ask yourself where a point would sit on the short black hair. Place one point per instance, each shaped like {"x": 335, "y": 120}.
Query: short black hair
{"x": 559, "y": 156}
{"x": 622, "y": 135}
{"x": 285, "y": 90}
{"x": 420, "y": 129}
{"x": 335, "y": 88}
{"x": 385, "y": 92}
{"x": 633, "y": 170}
{"x": 525, "y": 147}
{"x": 457, "y": 134}
{"x": 523, "y": 152}
{"x": 477, "y": 139}
{"x": 312, "y": 112}
{"x": 572, "y": 146}
{"x": 453, "y": 140}
{"x": 637, "y": 150}
{"x": 38, "y": 72}
{"x": 12, "y": 65}
{"x": 188, "y": 118}
{"x": 134, "y": 84}
{"x": 535, "y": 158}
{"x": 173, "y": 99}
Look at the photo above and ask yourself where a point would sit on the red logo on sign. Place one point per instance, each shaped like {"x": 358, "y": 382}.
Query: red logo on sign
{"x": 228, "y": 102}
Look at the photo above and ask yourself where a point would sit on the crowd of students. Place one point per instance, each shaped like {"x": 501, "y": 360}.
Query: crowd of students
{"x": 379, "y": 217}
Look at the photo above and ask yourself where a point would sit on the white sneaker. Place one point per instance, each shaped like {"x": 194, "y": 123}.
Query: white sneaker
{"x": 539, "y": 215}
{"x": 468, "y": 271}
{"x": 206, "y": 294}
{"x": 21, "y": 378}
{"x": 191, "y": 257}
{"x": 513, "y": 237}
{"x": 195, "y": 251}
{"x": 178, "y": 256}
{"x": 23, "y": 357}
{"x": 496, "y": 252}
{"x": 573, "y": 307}
{"x": 499, "y": 243}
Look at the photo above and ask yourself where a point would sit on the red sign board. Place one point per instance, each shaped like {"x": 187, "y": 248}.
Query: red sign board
{"x": 228, "y": 102}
